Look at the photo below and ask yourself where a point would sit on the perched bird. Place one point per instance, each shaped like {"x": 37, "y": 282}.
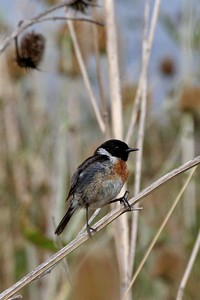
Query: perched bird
{"x": 98, "y": 180}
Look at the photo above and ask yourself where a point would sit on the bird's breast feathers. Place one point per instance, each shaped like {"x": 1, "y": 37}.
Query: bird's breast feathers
{"x": 120, "y": 169}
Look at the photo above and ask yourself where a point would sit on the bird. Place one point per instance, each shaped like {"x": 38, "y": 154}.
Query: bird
{"x": 98, "y": 181}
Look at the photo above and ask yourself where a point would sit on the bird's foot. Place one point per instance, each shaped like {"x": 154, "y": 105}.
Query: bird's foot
{"x": 124, "y": 200}
{"x": 90, "y": 230}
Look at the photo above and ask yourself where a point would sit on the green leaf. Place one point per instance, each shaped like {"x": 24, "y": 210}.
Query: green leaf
{"x": 39, "y": 240}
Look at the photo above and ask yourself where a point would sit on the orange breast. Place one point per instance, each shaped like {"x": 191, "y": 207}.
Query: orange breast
{"x": 120, "y": 169}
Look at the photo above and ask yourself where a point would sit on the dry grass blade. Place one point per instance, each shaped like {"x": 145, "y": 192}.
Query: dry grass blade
{"x": 104, "y": 107}
{"x": 159, "y": 232}
{"x": 188, "y": 268}
{"x": 145, "y": 67}
{"x": 57, "y": 257}
{"x": 140, "y": 142}
{"x": 92, "y": 98}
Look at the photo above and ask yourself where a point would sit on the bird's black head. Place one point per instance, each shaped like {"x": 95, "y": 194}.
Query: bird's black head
{"x": 115, "y": 148}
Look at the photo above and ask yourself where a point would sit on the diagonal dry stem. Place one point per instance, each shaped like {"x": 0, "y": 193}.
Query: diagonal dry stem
{"x": 145, "y": 66}
{"x": 24, "y": 24}
{"x": 57, "y": 257}
{"x": 104, "y": 107}
{"x": 158, "y": 233}
{"x": 86, "y": 80}
{"x": 188, "y": 268}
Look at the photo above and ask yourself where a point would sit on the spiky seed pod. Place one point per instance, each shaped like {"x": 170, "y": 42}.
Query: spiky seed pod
{"x": 31, "y": 50}
{"x": 81, "y": 5}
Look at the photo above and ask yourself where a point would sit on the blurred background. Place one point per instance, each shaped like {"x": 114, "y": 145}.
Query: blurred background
{"x": 48, "y": 128}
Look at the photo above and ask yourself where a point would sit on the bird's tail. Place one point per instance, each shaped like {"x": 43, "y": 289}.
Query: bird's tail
{"x": 65, "y": 220}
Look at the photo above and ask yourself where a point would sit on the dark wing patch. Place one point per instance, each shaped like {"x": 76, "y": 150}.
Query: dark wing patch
{"x": 86, "y": 172}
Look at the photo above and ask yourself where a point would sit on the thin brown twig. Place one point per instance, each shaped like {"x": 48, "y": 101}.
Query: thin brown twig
{"x": 57, "y": 257}
{"x": 81, "y": 19}
{"x": 24, "y": 24}
{"x": 54, "y": 7}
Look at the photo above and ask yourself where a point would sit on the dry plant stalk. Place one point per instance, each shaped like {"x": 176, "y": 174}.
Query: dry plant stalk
{"x": 57, "y": 257}
{"x": 100, "y": 79}
{"x": 187, "y": 119}
{"x": 188, "y": 268}
{"x": 86, "y": 80}
{"x": 140, "y": 140}
{"x": 145, "y": 66}
{"x": 121, "y": 233}
{"x": 188, "y": 151}
{"x": 141, "y": 94}
{"x": 146, "y": 255}
{"x": 113, "y": 69}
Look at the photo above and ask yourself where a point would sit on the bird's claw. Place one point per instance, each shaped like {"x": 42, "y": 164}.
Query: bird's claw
{"x": 124, "y": 200}
{"x": 90, "y": 230}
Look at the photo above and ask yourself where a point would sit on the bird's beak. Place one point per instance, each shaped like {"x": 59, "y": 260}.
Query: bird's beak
{"x": 131, "y": 149}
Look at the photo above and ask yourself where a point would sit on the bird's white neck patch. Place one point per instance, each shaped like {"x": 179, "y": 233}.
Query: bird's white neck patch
{"x": 103, "y": 151}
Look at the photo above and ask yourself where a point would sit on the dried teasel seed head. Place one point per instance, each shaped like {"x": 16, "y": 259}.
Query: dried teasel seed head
{"x": 81, "y": 5}
{"x": 31, "y": 50}
{"x": 167, "y": 66}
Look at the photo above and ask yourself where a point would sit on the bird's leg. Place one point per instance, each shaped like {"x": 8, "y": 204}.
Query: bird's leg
{"x": 89, "y": 228}
{"x": 123, "y": 200}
